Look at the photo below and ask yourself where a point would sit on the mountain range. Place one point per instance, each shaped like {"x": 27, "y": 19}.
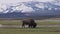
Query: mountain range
{"x": 31, "y": 9}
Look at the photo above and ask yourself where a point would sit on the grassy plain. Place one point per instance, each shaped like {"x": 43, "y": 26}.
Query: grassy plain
{"x": 19, "y": 22}
{"x": 45, "y": 30}
{"x": 41, "y": 30}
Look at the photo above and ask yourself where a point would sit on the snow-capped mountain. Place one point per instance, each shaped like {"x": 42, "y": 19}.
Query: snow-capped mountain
{"x": 31, "y": 8}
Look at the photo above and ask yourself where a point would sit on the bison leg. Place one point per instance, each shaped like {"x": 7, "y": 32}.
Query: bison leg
{"x": 23, "y": 25}
{"x": 29, "y": 25}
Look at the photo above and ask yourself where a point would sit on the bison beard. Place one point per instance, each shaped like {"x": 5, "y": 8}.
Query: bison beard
{"x": 31, "y": 23}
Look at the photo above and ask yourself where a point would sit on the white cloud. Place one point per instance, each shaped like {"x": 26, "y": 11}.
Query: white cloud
{"x": 11, "y": 2}
{"x": 4, "y": 7}
{"x": 15, "y": 1}
{"x": 44, "y": 0}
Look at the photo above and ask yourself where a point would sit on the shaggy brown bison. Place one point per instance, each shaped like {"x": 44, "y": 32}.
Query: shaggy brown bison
{"x": 30, "y": 22}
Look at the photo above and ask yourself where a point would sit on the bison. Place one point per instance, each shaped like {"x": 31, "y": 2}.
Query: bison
{"x": 30, "y": 22}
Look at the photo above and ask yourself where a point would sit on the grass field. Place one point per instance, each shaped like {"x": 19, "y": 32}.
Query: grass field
{"x": 44, "y": 30}
{"x": 19, "y": 22}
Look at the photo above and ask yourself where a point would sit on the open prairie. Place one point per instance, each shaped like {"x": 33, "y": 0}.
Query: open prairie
{"x": 42, "y": 30}
{"x": 52, "y": 21}
{"x": 38, "y": 30}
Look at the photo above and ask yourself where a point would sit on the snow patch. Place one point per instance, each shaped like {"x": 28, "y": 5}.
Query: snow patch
{"x": 40, "y": 5}
{"x": 24, "y": 8}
